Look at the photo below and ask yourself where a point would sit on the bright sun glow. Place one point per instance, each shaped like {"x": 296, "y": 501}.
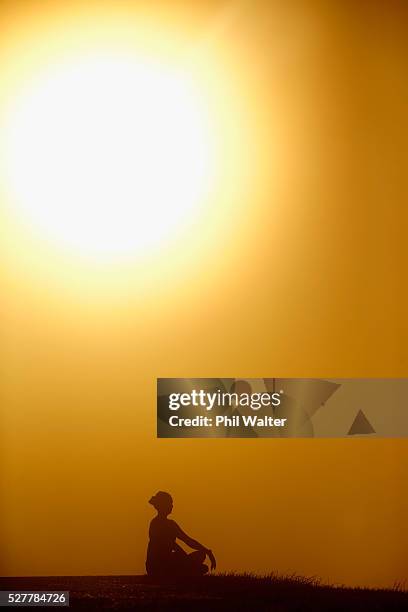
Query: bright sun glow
{"x": 108, "y": 155}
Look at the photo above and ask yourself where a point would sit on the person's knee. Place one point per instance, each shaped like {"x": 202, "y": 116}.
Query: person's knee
{"x": 201, "y": 555}
{"x": 197, "y": 557}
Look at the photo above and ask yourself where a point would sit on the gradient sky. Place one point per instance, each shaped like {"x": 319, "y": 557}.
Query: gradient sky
{"x": 305, "y": 278}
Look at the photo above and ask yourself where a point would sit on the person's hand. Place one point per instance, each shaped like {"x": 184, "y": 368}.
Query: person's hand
{"x": 212, "y": 559}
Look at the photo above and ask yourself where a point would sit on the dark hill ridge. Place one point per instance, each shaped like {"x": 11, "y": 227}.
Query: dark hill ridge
{"x": 217, "y": 592}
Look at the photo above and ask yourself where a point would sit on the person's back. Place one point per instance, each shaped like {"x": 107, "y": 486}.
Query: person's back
{"x": 162, "y": 542}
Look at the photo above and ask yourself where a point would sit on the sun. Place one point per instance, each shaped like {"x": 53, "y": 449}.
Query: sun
{"x": 109, "y": 155}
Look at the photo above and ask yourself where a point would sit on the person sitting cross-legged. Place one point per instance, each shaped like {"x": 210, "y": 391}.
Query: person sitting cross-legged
{"x": 165, "y": 558}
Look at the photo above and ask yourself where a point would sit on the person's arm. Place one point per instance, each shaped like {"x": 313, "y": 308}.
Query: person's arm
{"x": 195, "y": 545}
{"x": 190, "y": 541}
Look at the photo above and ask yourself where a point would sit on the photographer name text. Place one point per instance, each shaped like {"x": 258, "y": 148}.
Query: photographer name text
{"x": 227, "y": 421}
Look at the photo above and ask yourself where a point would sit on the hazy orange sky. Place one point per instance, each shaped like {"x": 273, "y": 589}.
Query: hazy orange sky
{"x": 302, "y": 277}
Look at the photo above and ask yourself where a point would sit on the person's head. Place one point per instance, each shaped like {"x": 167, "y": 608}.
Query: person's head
{"x": 162, "y": 502}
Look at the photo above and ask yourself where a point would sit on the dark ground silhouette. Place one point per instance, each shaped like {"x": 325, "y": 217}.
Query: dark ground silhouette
{"x": 214, "y": 592}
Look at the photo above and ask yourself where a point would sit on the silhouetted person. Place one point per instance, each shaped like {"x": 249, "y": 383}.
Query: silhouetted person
{"x": 164, "y": 556}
